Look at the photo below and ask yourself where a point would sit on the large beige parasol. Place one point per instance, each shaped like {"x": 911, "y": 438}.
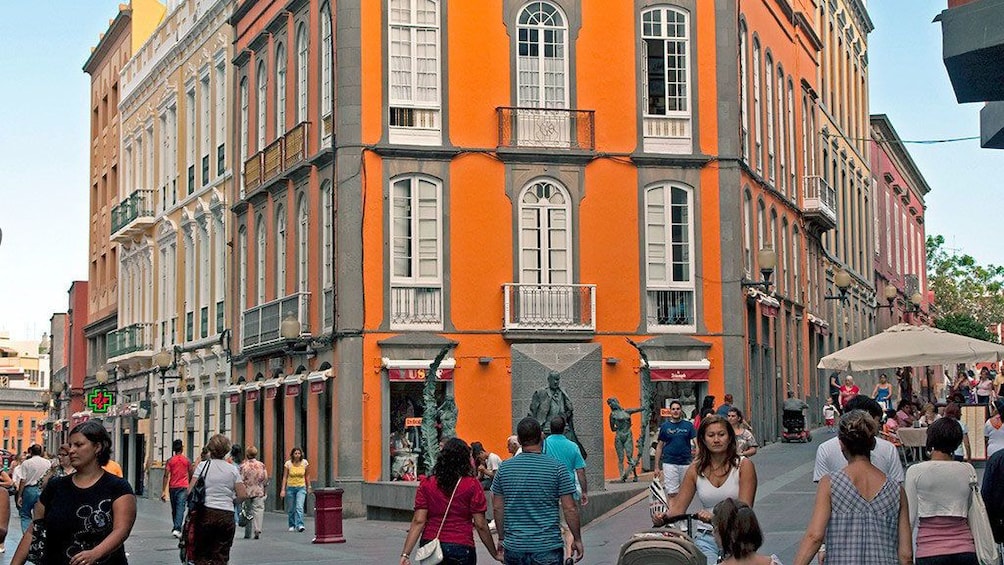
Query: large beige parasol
{"x": 905, "y": 345}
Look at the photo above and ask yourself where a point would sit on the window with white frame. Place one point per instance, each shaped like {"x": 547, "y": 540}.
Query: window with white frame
{"x": 785, "y": 265}
{"x": 280, "y": 251}
{"x": 205, "y": 262}
{"x": 280, "y": 89}
{"x": 782, "y": 132}
{"x": 302, "y": 55}
{"x": 761, "y": 226}
{"x": 416, "y": 252}
{"x": 328, "y": 252}
{"x": 769, "y": 92}
{"x": 260, "y": 260}
{"x": 221, "y": 117}
{"x": 757, "y": 109}
{"x": 669, "y": 257}
{"x": 666, "y": 83}
{"x": 302, "y": 239}
{"x": 545, "y": 234}
{"x": 744, "y": 112}
{"x": 244, "y": 133}
{"x": 542, "y": 57}
{"x": 414, "y": 68}
{"x": 190, "y": 149}
{"x": 796, "y": 243}
{"x": 262, "y": 102}
{"x": 326, "y": 70}
{"x": 190, "y": 281}
{"x": 747, "y": 232}
{"x": 206, "y": 113}
{"x": 793, "y": 194}
{"x": 242, "y": 265}
{"x": 219, "y": 268}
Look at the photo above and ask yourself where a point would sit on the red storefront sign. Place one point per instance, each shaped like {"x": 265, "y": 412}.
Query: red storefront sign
{"x": 235, "y": 397}
{"x": 316, "y": 387}
{"x": 769, "y": 310}
{"x": 411, "y": 375}
{"x": 412, "y": 422}
{"x": 271, "y": 392}
{"x": 252, "y": 395}
{"x": 293, "y": 389}
{"x": 679, "y": 374}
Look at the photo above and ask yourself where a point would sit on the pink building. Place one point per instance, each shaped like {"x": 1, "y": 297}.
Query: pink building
{"x": 900, "y": 243}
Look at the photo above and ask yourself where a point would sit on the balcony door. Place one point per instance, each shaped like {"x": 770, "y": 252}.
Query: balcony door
{"x": 542, "y": 77}
{"x": 545, "y": 296}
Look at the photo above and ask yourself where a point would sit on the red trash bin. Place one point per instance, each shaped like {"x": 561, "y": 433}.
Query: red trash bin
{"x": 328, "y": 515}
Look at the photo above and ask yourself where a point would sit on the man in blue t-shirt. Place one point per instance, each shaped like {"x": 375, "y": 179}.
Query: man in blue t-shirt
{"x": 674, "y": 449}
{"x": 527, "y": 490}
{"x": 567, "y": 452}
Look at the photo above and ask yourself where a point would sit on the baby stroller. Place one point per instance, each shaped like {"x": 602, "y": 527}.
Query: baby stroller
{"x": 794, "y": 427}
{"x": 661, "y": 546}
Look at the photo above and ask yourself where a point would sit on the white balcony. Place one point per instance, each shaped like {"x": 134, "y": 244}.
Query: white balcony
{"x": 260, "y": 325}
{"x": 132, "y": 341}
{"x": 819, "y": 203}
{"x": 416, "y": 307}
{"x": 549, "y": 307}
{"x": 133, "y": 216}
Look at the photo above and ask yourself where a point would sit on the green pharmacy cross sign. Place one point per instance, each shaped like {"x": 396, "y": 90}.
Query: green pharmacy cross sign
{"x": 100, "y": 400}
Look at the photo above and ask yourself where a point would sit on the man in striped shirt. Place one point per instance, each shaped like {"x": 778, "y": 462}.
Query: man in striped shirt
{"x": 527, "y": 490}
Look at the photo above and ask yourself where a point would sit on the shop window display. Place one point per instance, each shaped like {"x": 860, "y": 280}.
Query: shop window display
{"x": 406, "y": 409}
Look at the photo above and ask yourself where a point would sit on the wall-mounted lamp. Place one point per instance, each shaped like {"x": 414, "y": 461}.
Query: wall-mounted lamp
{"x": 484, "y": 360}
{"x": 915, "y": 302}
{"x": 767, "y": 259}
{"x": 289, "y": 331}
{"x": 841, "y": 280}
{"x": 890, "y": 296}
{"x": 167, "y": 361}
{"x": 225, "y": 337}
{"x": 103, "y": 377}
{"x": 612, "y": 360}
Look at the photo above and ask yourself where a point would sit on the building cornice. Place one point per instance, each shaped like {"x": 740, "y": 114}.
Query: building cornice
{"x": 116, "y": 28}
{"x": 889, "y": 138}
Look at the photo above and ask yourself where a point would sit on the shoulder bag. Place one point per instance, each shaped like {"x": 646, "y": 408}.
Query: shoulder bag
{"x": 979, "y": 523}
{"x": 197, "y": 498}
{"x": 432, "y": 553}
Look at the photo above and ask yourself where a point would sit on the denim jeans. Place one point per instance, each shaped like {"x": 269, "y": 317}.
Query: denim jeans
{"x": 552, "y": 557}
{"x": 456, "y": 554}
{"x": 178, "y": 503}
{"x": 705, "y": 541}
{"x": 29, "y": 496}
{"x": 295, "y": 498}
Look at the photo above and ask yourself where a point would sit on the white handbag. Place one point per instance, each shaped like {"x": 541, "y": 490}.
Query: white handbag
{"x": 432, "y": 553}
{"x": 979, "y": 524}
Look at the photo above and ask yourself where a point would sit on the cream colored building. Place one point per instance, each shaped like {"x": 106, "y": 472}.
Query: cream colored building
{"x": 172, "y": 229}
{"x": 844, "y": 164}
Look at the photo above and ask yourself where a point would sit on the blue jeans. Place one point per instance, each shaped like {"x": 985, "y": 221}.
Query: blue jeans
{"x": 456, "y": 554}
{"x": 551, "y": 557}
{"x": 29, "y": 496}
{"x": 295, "y": 498}
{"x": 178, "y": 497}
{"x": 705, "y": 541}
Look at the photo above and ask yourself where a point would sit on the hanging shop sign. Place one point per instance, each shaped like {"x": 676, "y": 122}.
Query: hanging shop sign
{"x": 413, "y": 422}
{"x": 271, "y": 392}
{"x": 316, "y": 387}
{"x": 680, "y": 370}
{"x": 235, "y": 398}
{"x": 412, "y": 375}
{"x": 99, "y": 400}
{"x": 252, "y": 394}
{"x": 293, "y": 389}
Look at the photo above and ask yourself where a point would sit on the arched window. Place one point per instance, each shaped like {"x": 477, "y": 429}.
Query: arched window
{"x": 669, "y": 257}
{"x": 545, "y": 235}
{"x": 796, "y": 244}
{"x": 791, "y": 142}
{"x": 326, "y": 54}
{"x": 761, "y": 226}
{"x": 280, "y": 251}
{"x": 244, "y": 133}
{"x": 302, "y": 238}
{"x": 302, "y": 53}
{"x": 262, "y": 100}
{"x": 280, "y": 90}
{"x": 782, "y": 132}
{"x": 328, "y": 257}
{"x": 747, "y": 232}
{"x": 219, "y": 268}
{"x": 666, "y": 36}
{"x": 260, "y": 259}
{"x": 785, "y": 263}
{"x": 542, "y": 57}
{"x": 768, "y": 81}
{"x": 416, "y": 251}
{"x": 242, "y": 266}
{"x": 744, "y": 112}
{"x": 757, "y": 109}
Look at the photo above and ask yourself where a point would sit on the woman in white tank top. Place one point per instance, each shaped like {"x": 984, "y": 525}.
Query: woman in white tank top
{"x": 717, "y": 473}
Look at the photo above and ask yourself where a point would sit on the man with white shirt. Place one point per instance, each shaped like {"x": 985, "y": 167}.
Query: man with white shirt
{"x": 29, "y": 486}
{"x": 830, "y": 459}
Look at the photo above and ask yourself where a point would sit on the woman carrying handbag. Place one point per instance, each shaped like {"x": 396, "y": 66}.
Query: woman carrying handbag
{"x": 451, "y": 504}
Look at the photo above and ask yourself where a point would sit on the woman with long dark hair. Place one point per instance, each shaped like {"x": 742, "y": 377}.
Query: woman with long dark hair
{"x": 449, "y": 505}
{"x": 87, "y": 515}
{"x": 739, "y": 535}
{"x": 717, "y": 473}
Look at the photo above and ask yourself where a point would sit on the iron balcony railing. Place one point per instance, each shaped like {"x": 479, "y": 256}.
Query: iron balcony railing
{"x": 569, "y": 307}
{"x": 130, "y": 339}
{"x": 260, "y": 325}
{"x": 413, "y": 306}
{"x": 820, "y": 200}
{"x": 139, "y": 204}
{"x": 282, "y": 154}
{"x": 556, "y": 128}
{"x": 670, "y": 308}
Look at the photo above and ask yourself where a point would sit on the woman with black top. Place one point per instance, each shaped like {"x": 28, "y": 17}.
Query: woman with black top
{"x": 88, "y": 515}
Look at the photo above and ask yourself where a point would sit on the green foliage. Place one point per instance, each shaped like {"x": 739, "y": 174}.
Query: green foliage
{"x": 964, "y": 324}
{"x": 963, "y": 288}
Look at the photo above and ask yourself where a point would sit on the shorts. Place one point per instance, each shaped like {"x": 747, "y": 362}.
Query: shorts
{"x": 672, "y": 476}
{"x": 831, "y": 421}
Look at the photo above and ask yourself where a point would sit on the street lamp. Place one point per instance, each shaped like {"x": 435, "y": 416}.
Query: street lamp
{"x": 915, "y": 301}
{"x": 166, "y": 360}
{"x": 102, "y": 376}
{"x": 290, "y": 327}
{"x": 890, "y": 296}
{"x": 841, "y": 280}
{"x": 766, "y": 257}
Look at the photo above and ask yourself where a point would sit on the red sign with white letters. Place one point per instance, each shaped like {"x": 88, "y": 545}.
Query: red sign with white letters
{"x": 411, "y": 375}
{"x": 679, "y": 374}
{"x": 235, "y": 397}
{"x": 271, "y": 392}
{"x": 317, "y": 387}
{"x": 293, "y": 389}
{"x": 252, "y": 395}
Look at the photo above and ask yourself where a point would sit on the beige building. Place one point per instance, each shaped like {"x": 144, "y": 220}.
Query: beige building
{"x": 845, "y": 166}
{"x": 172, "y": 233}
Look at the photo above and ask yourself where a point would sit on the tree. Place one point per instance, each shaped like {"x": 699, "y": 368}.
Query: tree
{"x": 964, "y": 324}
{"x": 963, "y": 289}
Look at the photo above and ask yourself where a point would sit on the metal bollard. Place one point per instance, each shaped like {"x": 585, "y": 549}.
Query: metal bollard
{"x": 328, "y": 515}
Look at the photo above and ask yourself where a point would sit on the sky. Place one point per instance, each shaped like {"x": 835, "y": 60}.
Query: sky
{"x": 44, "y": 135}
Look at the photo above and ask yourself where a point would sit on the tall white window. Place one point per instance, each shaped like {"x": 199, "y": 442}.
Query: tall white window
{"x": 205, "y": 265}
{"x": 328, "y": 252}
{"x": 545, "y": 235}
{"x": 280, "y": 90}
{"x": 280, "y": 251}
{"x": 757, "y": 109}
{"x": 190, "y": 151}
{"x": 416, "y": 251}
{"x": 163, "y": 313}
{"x": 791, "y": 142}
{"x": 666, "y": 83}
{"x": 326, "y": 69}
{"x": 244, "y": 133}
{"x": 747, "y": 232}
{"x": 769, "y": 83}
{"x": 669, "y": 257}
{"x": 260, "y": 260}
{"x": 205, "y": 116}
{"x": 796, "y": 243}
{"x": 190, "y": 263}
{"x": 302, "y": 53}
{"x": 262, "y": 103}
{"x": 888, "y": 228}
{"x": 302, "y": 239}
{"x": 785, "y": 264}
{"x": 542, "y": 57}
{"x": 744, "y": 111}
{"x": 219, "y": 268}
{"x": 221, "y": 118}
{"x": 242, "y": 265}
{"x": 782, "y": 131}
{"x": 414, "y": 65}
